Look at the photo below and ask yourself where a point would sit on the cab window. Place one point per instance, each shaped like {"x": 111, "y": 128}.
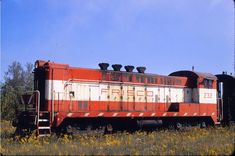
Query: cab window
{"x": 208, "y": 83}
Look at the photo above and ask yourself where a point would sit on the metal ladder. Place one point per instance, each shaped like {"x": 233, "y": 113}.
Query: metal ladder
{"x": 43, "y": 123}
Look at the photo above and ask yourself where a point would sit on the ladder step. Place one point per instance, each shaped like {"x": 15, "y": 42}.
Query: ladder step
{"x": 44, "y": 127}
{"x": 43, "y": 120}
{"x": 41, "y": 135}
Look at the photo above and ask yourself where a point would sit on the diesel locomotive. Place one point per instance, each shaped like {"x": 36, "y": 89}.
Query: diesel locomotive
{"x": 69, "y": 99}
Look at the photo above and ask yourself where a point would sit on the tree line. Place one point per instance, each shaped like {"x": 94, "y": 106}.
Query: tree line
{"x": 16, "y": 80}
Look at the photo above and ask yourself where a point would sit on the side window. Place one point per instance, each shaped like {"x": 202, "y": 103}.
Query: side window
{"x": 208, "y": 83}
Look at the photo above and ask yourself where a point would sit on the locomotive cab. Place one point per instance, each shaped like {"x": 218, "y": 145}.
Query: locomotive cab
{"x": 202, "y": 93}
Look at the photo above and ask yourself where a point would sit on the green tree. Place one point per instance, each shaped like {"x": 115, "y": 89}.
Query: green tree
{"x": 16, "y": 81}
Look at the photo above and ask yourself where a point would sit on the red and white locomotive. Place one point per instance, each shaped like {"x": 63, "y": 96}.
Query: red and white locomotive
{"x": 67, "y": 98}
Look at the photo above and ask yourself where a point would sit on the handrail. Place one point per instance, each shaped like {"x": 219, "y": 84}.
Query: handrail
{"x": 118, "y": 82}
{"x": 38, "y": 105}
{"x": 220, "y": 109}
{"x": 52, "y": 107}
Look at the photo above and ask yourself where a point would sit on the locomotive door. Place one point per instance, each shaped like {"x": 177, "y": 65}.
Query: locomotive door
{"x": 94, "y": 97}
{"x": 83, "y": 97}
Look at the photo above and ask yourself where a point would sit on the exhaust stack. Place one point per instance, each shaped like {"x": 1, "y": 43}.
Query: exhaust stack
{"x": 117, "y": 67}
{"x": 129, "y": 68}
{"x": 103, "y": 66}
{"x": 141, "y": 69}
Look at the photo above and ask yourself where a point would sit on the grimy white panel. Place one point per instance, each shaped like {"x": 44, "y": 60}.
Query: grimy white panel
{"x": 83, "y": 92}
{"x": 161, "y": 92}
{"x": 53, "y": 86}
{"x": 104, "y": 92}
{"x": 167, "y": 95}
{"x": 195, "y": 95}
{"x": 180, "y": 94}
{"x": 128, "y": 93}
{"x": 115, "y": 92}
{"x": 140, "y": 95}
{"x": 70, "y": 87}
{"x": 151, "y": 94}
{"x": 188, "y": 95}
{"x": 124, "y": 90}
{"x": 94, "y": 92}
{"x": 173, "y": 96}
{"x": 207, "y": 95}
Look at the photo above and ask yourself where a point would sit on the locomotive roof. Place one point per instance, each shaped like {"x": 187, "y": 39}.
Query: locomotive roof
{"x": 183, "y": 73}
{"x": 194, "y": 74}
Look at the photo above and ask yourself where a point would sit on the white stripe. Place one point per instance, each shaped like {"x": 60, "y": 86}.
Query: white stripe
{"x": 207, "y": 96}
{"x": 204, "y": 114}
{"x": 175, "y": 114}
{"x": 101, "y": 91}
{"x": 115, "y": 114}
{"x": 164, "y": 114}
{"x": 213, "y": 113}
{"x": 185, "y": 114}
{"x": 153, "y": 114}
{"x": 128, "y": 114}
{"x": 141, "y": 114}
{"x": 86, "y": 114}
{"x": 194, "y": 114}
{"x": 100, "y": 114}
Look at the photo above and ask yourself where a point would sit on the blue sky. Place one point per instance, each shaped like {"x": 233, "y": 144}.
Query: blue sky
{"x": 163, "y": 35}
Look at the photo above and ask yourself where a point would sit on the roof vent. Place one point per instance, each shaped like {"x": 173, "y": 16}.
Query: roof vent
{"x": 117, "y": 67}
{"x": 141, "y": 69}
{"x": 129, "y": 68}
{"x": 103, "y": 66}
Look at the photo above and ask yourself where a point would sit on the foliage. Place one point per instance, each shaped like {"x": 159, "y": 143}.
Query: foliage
{"x": 210, "y": 141}
{"x": 17, "y": 80}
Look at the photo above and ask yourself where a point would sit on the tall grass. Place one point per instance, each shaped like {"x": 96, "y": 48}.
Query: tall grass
{"x": 211, "y": 141}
